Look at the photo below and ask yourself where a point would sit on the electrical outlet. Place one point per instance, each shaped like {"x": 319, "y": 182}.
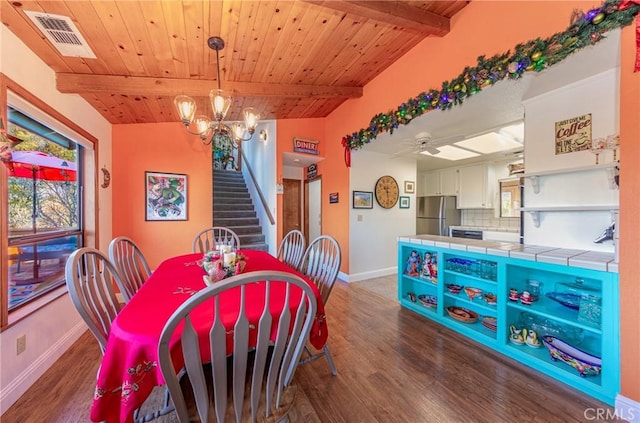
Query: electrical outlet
{"x": 21, "y": 344}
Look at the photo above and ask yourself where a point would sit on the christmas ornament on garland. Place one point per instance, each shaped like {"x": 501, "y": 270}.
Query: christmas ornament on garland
{"x": 585, "y": 29}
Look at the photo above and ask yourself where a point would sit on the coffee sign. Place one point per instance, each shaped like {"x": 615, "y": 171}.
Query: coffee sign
{"x": 573, "y": 134}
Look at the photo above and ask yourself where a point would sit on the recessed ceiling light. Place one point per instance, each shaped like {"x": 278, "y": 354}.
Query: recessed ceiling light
{"x": 489, "y": 143}
{"x": 296, "y": 160}
{"x": 449, "y": 152}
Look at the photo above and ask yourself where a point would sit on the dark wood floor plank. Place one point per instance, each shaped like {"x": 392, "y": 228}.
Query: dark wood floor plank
{"x": 394, "y": 366}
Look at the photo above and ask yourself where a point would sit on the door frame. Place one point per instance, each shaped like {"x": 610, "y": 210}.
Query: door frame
{"x": 306, "y": 205}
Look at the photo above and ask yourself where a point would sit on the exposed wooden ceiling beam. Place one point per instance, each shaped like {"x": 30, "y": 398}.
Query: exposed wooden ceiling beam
{"x": 399, "y": 13}
{"x": 135, "y": 85}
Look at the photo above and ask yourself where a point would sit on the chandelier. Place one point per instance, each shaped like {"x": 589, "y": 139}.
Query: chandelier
{"x": 215, "y": 129}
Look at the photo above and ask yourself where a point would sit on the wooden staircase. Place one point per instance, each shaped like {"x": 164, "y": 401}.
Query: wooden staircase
{"x": 233, "y": 209}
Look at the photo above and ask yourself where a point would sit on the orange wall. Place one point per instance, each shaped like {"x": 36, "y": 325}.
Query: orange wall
{"x": 629, "y": 216}
{"x": 167, "y": 148}
{"x": 334, "y": 216}
{"x": 287, "y": 129}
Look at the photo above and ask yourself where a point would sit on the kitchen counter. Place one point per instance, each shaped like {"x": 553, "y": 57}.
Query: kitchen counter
{"x": 595, "y": 260}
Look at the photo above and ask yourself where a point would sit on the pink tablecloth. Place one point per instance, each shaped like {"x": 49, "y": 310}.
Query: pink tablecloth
{"x": 129, "y": 369}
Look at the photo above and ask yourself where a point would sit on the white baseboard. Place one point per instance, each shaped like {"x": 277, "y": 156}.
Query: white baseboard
{"x": 356, "y": 277}
{"x": 627, "y": 409}
{"x": 14, "y": 389}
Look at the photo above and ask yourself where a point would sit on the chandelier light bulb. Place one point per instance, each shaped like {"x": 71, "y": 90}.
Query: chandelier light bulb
{"x": 202, "y": 123}
{"x": 220, "y": 104}
{"x": 251, "y": 119}
{"x": 186, "y": 108}
{"x": 238, "y": 131}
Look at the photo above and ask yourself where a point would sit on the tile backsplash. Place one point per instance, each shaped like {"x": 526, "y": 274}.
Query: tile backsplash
{"x": 486, "y": 218}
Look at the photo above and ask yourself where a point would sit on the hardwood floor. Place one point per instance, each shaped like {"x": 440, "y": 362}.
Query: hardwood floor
{"x": 393, "y": 366}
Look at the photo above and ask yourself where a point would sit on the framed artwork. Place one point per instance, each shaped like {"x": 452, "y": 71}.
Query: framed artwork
{"x": 362, "y": 199}
{"x": 333, "y": 197}
{"x": 165, "y": 196}
{"x": 404, "y": 202}
{"x": 409, "y": 187}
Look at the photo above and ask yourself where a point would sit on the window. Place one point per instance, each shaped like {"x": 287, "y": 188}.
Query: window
{"x": 42, "y": 195}
{"x": 510, "y": 200}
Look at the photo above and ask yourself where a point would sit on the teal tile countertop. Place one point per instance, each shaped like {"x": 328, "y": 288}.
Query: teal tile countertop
{"x": 595, "y": 260}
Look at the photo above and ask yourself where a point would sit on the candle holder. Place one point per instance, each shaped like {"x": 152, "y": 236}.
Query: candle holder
{"x": 613, "y": 143}
{"x": 222, "y": 267}
{"x": 597, "y": 146}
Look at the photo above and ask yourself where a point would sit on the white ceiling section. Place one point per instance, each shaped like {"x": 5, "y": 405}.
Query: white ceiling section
{"x": 299, "y": 159}
{"x": 494, "y": 108}
{"x": 449, "y": 152}
{"x": 492, "y": 142}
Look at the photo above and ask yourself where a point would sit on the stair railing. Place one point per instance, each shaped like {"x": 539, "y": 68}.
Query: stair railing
{"x": 263, "y": 200}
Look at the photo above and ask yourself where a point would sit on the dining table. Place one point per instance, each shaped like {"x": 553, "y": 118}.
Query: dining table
{"x": 129, "y": 371}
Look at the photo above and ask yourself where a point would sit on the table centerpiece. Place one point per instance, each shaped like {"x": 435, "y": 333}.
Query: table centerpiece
{"x": 219, "y": 265}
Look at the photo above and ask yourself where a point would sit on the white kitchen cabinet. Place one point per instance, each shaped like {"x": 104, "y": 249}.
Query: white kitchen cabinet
{"x": 477, "y": 186}
{"x": 440, "y": 182}
{"x": 421, "y": 185}
{"x": 449, "y": 181}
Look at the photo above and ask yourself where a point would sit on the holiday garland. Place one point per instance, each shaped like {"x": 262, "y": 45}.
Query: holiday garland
{"x": 536, "y": 55}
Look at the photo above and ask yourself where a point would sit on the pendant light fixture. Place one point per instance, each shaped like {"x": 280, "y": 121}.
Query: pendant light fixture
{"x": 210, "y": 129}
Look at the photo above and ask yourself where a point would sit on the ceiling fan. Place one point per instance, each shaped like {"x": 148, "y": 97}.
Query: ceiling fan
{"x": 423, "y": 141}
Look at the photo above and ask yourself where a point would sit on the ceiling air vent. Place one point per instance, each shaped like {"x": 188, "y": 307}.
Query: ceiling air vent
{"x": 62, "y": 33}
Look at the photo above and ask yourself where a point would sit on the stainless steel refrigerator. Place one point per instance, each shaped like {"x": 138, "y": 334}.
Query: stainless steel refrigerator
{"x": 435, "y": 214}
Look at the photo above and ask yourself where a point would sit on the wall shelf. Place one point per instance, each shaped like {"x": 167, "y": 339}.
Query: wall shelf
{"x": 535, "y": 211}
{"x": 611, "y": 168}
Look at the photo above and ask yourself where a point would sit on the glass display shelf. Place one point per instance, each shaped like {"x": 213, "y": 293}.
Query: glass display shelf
{"x": 552, "y": 310}
{"x": 477, "y": 269}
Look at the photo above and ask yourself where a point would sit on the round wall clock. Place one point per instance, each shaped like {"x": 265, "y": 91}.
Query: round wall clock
{"x": 387, "y": 192}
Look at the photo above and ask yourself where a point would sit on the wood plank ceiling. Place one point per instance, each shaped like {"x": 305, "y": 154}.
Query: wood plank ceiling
{"x": 287, "y": 59}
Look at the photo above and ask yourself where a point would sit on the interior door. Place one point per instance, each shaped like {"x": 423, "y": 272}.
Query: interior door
{"x": 313, "y": 209}
{"x": 291, "y": 204}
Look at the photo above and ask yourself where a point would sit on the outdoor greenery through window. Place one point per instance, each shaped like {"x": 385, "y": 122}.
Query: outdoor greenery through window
{"x": 44, "y": 216}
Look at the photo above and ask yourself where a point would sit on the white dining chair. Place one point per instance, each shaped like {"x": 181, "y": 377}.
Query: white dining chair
{"x": 207, "y": 239}
{"x": 130, "y": 264}
{"x": 260, "y": 373}
{"x": 292, "y": 248}
{"x": 90, "y": 278}
{"x": 321, "y": 264}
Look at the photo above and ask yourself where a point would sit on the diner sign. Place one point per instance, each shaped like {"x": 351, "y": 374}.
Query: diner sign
{"x": 301, "y": 145}
{"x": 573, "y": 134}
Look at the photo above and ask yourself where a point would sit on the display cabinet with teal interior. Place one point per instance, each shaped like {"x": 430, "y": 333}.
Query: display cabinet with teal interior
{"x": 566, "y": 326}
